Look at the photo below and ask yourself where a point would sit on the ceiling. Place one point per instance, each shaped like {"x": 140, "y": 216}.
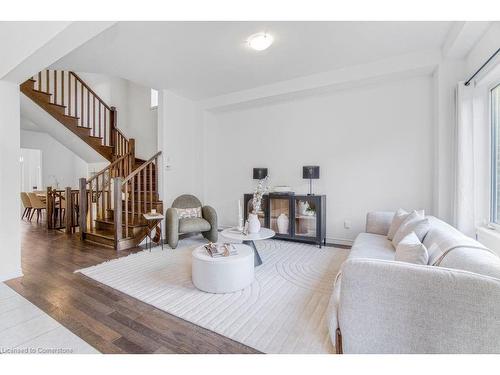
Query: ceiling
{"x": 200, "y": 60}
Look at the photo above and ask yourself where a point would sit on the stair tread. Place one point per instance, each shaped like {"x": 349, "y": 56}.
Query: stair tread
{"x": 42, "y": 92}
{"x": 58, "y": 105}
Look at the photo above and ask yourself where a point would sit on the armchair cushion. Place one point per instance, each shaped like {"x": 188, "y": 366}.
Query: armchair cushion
{"x": 193, "y": 224}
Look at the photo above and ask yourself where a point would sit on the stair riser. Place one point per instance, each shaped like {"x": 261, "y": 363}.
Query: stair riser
{"x": 100, "y": 240}
{"x": 101, "y": 225}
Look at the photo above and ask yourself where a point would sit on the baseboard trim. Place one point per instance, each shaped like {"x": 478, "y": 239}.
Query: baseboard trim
{"x": 329, "y": 240}
{"x": 339, "y": 241}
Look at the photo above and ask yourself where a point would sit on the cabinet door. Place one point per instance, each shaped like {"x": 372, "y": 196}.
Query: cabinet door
{"x": 280, "y": 213}
{"x": 307, "y": 211}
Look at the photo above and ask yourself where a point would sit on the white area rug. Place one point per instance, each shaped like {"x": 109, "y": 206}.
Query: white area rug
{"x": 283, "y": 311}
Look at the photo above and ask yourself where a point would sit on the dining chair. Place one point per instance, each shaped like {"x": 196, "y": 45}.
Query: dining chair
{"x": 27, "y": 205}
{"x": 37, "y": 205}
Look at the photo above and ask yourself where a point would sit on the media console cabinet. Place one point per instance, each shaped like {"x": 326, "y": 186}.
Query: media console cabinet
{"x": 293, "y": 217}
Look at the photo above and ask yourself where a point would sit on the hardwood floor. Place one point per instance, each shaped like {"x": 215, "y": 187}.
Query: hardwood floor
{"x": 109, "y": 320}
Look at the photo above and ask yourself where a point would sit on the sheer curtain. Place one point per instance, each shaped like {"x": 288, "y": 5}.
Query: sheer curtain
{"x": 465, "y": 161}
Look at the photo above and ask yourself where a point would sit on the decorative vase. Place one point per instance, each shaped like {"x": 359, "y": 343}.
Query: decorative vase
{"x": 253, "y": 224}
{"x": 282, "y": 224}
{"x": 303, "y": 206}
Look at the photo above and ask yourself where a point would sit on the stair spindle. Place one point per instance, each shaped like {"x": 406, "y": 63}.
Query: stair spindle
{"x": 81, "y": 105}
{"x": 55, "y": 87}
{"x": 151, "y": 186}
{"x": 62, "y": 90}
{"x": 100, "y": 119}
{"x": 132, "y": 184}
{"x": 76, "y": 98}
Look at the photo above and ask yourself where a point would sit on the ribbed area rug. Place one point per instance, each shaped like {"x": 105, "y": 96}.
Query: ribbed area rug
{"x": 283, "y": 311}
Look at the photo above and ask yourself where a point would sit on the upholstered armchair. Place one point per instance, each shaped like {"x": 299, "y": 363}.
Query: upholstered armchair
{"x": 187, "y": 215}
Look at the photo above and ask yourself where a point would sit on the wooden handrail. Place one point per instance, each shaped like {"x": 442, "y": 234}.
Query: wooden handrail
{"x": 80, "y": 101}
{"x": 143, "y": 166}
{"x": 90, "y": 90}
{"x": 110, "y": 166}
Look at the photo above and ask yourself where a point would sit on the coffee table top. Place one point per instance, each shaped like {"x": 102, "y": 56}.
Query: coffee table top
{"x": 235, "y": 234}
{"x": 244, "y": 251}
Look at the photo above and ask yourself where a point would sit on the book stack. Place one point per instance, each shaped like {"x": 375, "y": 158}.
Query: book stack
{"x": 220, "y": 250}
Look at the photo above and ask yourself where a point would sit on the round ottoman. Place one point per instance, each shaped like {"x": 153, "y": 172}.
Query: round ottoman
{"x": 223, "y": 274}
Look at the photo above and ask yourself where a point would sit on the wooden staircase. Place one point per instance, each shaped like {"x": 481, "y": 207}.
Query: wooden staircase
{"x": 113, "y": 201}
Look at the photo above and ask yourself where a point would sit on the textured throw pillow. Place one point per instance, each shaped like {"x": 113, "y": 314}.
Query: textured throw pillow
{"x": 411, "y": 250}
{"x": 413, "y": 223}
{"x": 398, "y": 219}
{"x": 187, "y": 213}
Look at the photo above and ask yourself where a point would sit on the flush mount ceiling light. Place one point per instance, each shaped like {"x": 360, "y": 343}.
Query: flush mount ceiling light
{"x": 260, "y": 41}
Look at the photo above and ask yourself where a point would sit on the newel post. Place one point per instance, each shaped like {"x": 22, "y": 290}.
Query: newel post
{"x": 117, "y": 209}
{"x": 83, "y": 207}
{"x": 69, "y": 210}
{"x": 50, "y": 207}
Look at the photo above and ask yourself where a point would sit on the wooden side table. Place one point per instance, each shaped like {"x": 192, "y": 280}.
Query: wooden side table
{"x": 153, "y": 227}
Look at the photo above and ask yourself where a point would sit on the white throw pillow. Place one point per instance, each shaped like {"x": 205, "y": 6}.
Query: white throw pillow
{"x": 413, "y": 223}
{"x": 188, "y": 213}
{"x": 411, "y": 250}
{"x": 398, "y": 219}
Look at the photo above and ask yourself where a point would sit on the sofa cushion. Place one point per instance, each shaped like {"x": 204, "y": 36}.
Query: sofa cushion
{"x": 372, "y": 246}
{"x": 411, "y": 250}
{"x": 450, "y": 248}
{"x": 379, "y": 222}
{"x": 194, "y": 224}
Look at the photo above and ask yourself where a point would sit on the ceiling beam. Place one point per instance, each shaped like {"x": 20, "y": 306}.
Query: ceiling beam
{"x": 383, "y": 70}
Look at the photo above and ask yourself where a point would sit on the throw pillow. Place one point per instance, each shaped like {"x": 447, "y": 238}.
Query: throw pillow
{"x": 413, "y": 223}
{"x": 411, "y": 250}
{"x": 187, "y": 213}
{"x": 397, "y": 220}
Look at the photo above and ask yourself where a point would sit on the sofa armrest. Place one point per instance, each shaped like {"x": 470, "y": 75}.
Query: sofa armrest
{"x": 210, "y": 215}
{"x": 379, "y": 222}
{"x": 396, "y": 307}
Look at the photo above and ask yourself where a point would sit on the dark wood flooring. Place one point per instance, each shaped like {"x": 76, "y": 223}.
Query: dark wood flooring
{"x": 107, "y": 319}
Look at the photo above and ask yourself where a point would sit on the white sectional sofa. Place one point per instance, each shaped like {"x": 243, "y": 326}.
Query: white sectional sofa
{"x": 451, "y": 305}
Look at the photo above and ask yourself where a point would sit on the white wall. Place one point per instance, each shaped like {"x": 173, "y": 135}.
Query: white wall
{"x": 142, "y": 121}
{"x": 31, "y": 169}
{"x": 136, "y": 119}
{"x": 374, "y": 145}
{"x": 10, "y": 243}
{"x": 180, "y": 140}
{"x": 58, "y": 162}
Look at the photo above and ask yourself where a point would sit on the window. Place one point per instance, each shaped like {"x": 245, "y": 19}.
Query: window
{"x": 154, "y": 98}
{"x": 495, "y": 155}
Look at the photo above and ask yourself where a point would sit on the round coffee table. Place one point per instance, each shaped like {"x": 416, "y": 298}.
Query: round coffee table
{"x": 248, "y": 239}
{"x": 223, "y": 274}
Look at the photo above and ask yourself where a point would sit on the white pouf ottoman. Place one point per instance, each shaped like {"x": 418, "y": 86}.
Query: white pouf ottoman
{"x": 223, "y": 274}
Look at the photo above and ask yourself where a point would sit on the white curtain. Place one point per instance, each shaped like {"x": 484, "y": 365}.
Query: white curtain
{"x": 465, "y": 165}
